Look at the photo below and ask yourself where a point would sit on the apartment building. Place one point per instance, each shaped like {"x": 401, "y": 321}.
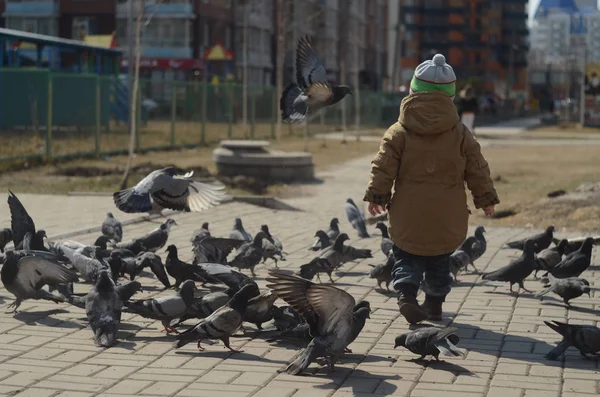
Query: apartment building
{"x": 255, "y": 19}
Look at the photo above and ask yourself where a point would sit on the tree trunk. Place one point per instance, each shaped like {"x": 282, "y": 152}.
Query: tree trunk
{"x": 133, "y": 106}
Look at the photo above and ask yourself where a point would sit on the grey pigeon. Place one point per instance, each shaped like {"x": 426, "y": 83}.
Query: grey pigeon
{"x": 153, "y": 261}
{"x": 550, "y": 257}
{"x": 475, "y": 246}
{"x": 566, "y": 288}
{"x": 260, "y": 309}
{"x": 311, "y": 91}
{"x": 103, "y": 309}
{"x": 25, "y": 273}
{"x": 200, "y": 233}
{"x": 431, "y": 341}
{"x": 575, "y": 243}
{"x": 167, "y": 188}
{"x": 112, "y": 228}
{"x": 180, "y": 270}
{"x": 383, "y": 272}
{"x": 585, "y": 338}
{"x": 518, "y": 270}
{"x": 88, "y": 268}
{"x": 205, "y": 305}
{"x": 459, "y": 260}
{"x": 272, "y": 247}
{"x": 20, "y": 222}
{"x": 239, "y": 233}
{"x": 216, "y": 273}
{"x": 356, "y": 218}
{"x": 329, "y": 311}
{"x": 209, "y": 249}
{"x": 6, "y": 236}
{"x": 322, "y": 241}
{"x": 248, "y": 255}
{"x": 386, "y": 243}
{"x": 576, "y": 262}
{"x": 332, "y": 258}
{"x": 542, "y": 240}
{"x": 165, "y": 308}
{"x": 152, "y": 241}
{"x": 334, "y": 229}
{"x": 222, "y": 323}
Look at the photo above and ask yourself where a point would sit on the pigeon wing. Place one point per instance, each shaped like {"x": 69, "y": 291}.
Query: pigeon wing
{"x": 20, "y": 221}
{"x": 36, "y": 272}
{"x": 318, "y": 95}
{"x": 182, "y": 194}
{"x": 309, "y": 68}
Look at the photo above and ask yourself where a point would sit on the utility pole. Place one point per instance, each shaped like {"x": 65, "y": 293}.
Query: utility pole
{"x": 511, "y": 67}
{"x": 397, "y": 48}
{"x": 582, "y": 91}
{"x": 345, "y": 21}
{"x": 245, "y": 69}
{"x": 356, "y": 82}
{"x": 130, "y": 59}
{"x": 279, "y": 63}
{"x": 379, "y": 40}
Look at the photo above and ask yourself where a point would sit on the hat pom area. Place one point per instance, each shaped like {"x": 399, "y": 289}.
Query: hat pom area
{"x": 439, "y": 60}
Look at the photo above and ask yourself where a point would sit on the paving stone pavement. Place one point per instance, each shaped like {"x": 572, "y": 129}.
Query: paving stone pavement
{"x": 46, "y": 350}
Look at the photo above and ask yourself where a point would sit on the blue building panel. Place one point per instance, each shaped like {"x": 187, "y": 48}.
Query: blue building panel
{"x": 168, "y": 52}
{"x": 162, "y": 10}
{"x": 31, "y": 8}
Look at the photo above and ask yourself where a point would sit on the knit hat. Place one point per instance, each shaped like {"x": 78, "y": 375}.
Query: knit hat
{"x": 434, "y": 75}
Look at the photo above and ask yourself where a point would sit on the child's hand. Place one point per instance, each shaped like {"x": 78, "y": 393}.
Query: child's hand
{"x": 375, "y": 209}
{"x": 489, "y": 211}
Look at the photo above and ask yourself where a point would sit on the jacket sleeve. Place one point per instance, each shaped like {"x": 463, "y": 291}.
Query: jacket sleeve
{"x": 384, "y": 166}
{"x": 477, "y": 173}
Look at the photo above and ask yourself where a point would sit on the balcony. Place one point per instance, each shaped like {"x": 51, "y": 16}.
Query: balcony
{"x": 47, "y": 8}
{"x": 172, "y": 9}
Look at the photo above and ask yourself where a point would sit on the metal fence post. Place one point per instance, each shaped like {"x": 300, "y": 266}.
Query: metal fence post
{"x": 138, "y": 116}
{"x": 274, "y": 115}
{"x": 204, "y": 98}
{"x": 49, "y": 118}
{"x": 252, "y": 113}
{"x": 173, "y": 113}
{"x": 229, "y": 88}
{"x": 98, "y": 116}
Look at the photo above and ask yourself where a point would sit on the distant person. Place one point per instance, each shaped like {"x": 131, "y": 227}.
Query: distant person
{"x": 551, "y": 106}
{"x": 418, "y": 175}
{"x": 468, "y": 107}
{"x": 593, "y": 87}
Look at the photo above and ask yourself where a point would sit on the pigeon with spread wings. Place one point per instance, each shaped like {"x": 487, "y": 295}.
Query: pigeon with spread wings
{"x": 329, "y": 311}
{"x": 311, "y": 91}
{"x": 167, "y": 188}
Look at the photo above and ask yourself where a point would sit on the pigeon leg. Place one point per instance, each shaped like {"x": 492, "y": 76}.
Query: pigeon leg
{"x": 473, "y": 265}
{"x": 330, "y": 279}
{"x": 275, "y": 259}
{"x": 511, "y": 290}
{"x": 199, "y": 346}
{"x": 169, "y": 329}
{"x": 346, "y": 350}
{"x": 14, "y": 305}
{"x": 252, "y": 272}
{"x": 225, "y": 341}
{"x": 387, "y": 286}
{"x": 522, "y": 287}
{"x": 319, "y": 277}
{"x": 379, "y": 284}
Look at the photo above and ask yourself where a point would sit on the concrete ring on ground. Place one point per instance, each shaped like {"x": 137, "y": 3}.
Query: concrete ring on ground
{"x": 251, "y": 158}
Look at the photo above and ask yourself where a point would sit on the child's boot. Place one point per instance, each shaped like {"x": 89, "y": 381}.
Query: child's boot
{"x": 433, "y": 307}
{"x": 408, "y": 305}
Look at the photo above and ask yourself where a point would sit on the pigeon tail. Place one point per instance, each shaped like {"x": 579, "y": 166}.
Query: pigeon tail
{"x": 362, "y": 233}
{"x": 130, "y": 202}
{"x": 308, "y": 271}
{"x": 186, "y": 337}
{"x": 363, "y": 254}
{"x": 558, "y": 351}
{"x": 292, "y": 111}
{"x": 106, "y": 332}
{"x": 545, "y": 291}
{"x": 447, "y": 348}
{"x": 303, "y": 359}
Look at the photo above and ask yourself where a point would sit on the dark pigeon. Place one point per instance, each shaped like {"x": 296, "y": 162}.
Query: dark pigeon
{"x": 322, "y": 242}
{"x": 311, "y": 91}
{"x": 248, "y": 255}
{"x": 334, "y": 229}
{"x": 153, "y": 261}
{"x": 112, "y": 228}
{"x": 386, "y": 243}
{"x": 222, "y": 323}
{"x": 383, "y": 272}
{"x": 272, "y": 247}
{"x": 213, "y": 249}
{"x": 329, "y": 311}
{"x": 103, "y": 309}
{"x": 216, "y": 273}
{"x": 152, "y": 241}
{"x": 205, "y": 305}
{"x": 576, "y": 262}
{"x": 459, "y": 260}
{"x": 167, "y": 188}
{"x": 566, "y": 288}
{"x": 181, "y": 270}
{"x": 24, "y": 274}
{"x": 239, "y": 233}
{"x": 474, "y": 246}
{"x": 34, "y": 242}
{"x": 20, "y": 221}
{"x": 542, "y": 240}
{"x": 431, "y": 341}
{"x": 585, "y": 338}
{"x": 550, "y": 257}
{"x": 6, "y": 236}
{"x": 356, "y": 218}
{"x": 260, "y": 309}
{"x": 518, "y": 270}
{"x": 201, "y": 233}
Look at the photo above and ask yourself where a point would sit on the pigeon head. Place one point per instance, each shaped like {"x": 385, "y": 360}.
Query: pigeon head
{"x": 587, "y": 290}
{"x": 259, "y": 238}
{"x": 104, "y": 282}
{"x": 109, "y": 215}
{"x": 341, "y": 91}
{"x": 342, "y": 237}
{"x": 400, "y": 340}
{"x": 562, "y": 245}
{"x": 362, "y": 314}
{"x": 172, "y": 249}
{"x": 169, "y": 222}
{"x": 587, "y": 245}
{"x": 321, "y": 235}
{"x": 550, "y": 230}
{"x": 239, "y": 302}
{"x": 334, "y": 222}
{"x": 361, "y": 305}
{"x": 205, "y": 225}
{"x": 187, "y": 291}
{"x": 381, "y": 226}
{"x": 102, "y": 242}
{"x": 41, "y": 233}
{"x": 350, "y": 201}
{"x": 479, "y": 231}
{"x": 237, "y": 223}
{"x": 265, "y": 229}
{"x": 584, "y": 281}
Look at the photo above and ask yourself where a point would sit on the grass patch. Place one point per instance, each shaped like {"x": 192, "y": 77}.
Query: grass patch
{"x": 565, "y": 128}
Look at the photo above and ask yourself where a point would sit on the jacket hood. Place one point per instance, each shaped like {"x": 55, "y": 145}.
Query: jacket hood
{"x": 428, "y": 113}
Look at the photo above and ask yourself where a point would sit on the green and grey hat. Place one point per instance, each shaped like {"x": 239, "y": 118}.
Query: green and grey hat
{"x": 434, "y": 75}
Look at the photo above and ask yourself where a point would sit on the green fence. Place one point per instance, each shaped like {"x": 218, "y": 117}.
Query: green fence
{"x": 46, "y": 114}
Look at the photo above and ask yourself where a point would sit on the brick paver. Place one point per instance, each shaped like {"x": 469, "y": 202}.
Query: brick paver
{"x": 47, "y": 351}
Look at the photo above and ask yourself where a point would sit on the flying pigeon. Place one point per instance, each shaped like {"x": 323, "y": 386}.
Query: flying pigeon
{"x": 311, "y": 91}
{"x": 152, "y": 241}
{"x": 585, "y": 338}
{"x": 103, "y": 310}
{"x": 386, "y": 243}
{"x": 550, "y": 257}
{"x": 329, "y": 311}
{"x": 322, "y": 241}
{"x": 167, "y": 188}
{"x": 239, "y": 233}
{"x": 542, "y": 240}
{"x": 356, "y": 218}
{"x": 431, "y": 341}
{"x": 518, "y": 270}
{"x": 6, "y": 236}
{"x": 112, "y": 228}
{"x": 222, "y": 323}
{"x": 566, "y": 288}
{"x": 576, "y": 262}
{"x": 24, "y": 273}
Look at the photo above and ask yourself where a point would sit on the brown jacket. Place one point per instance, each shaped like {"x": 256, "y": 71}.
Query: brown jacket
{"x": 426, "y": 157}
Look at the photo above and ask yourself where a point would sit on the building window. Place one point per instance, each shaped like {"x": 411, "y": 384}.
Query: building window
{"x": 83, "y": 26}
{"x": 206, "y": 34}
{"x": 227, "y": 43}
{"x": 45, "y": 26}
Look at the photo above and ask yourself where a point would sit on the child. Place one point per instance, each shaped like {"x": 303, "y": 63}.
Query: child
{"x": 427, "y": 156}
